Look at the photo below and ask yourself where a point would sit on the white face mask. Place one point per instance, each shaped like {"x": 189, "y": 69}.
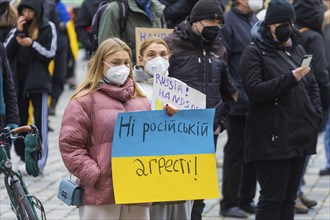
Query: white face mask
{"x": 255, "y": 5}
{"x": 157, "y": 65}
{"x": 117, "y": 75}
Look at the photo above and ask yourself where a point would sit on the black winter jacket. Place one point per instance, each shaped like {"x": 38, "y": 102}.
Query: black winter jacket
{"x": 30, "y": 64}
{"x": 8, "y": 101}
{"x": 177, "y": 11}
{"x": 201, "y": 66}
{"x": 283, "y": 114}
{"x": 235, "y": 37}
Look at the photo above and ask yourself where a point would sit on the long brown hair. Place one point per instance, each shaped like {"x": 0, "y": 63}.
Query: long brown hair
{"x": 95, "y": 71}
{"x": 11, "y": 18}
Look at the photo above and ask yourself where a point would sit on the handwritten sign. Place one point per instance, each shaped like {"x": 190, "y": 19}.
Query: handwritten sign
{"x": 160, "y": 158}
{"x": 170, "y": 90}
{"x": 141, "y": 34}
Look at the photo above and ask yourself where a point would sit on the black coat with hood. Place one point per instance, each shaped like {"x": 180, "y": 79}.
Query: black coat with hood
{"x": 202, "y": 66}
{"x": 30, "y": 64}
{"x": 309, "y": 18}
{"x": 283, "y": 114}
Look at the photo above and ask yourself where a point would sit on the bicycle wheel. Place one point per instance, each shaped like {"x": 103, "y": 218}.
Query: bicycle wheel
{"x": 24, "y": 209}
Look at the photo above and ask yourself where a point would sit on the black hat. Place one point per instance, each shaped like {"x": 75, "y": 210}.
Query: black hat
{"x": 206, "y": 9}
{"x": 279, "y": 11}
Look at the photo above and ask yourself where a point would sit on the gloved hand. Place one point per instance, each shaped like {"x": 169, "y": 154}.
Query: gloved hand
{"x": 12, "y": 126}
{"x": 32, "y": 142}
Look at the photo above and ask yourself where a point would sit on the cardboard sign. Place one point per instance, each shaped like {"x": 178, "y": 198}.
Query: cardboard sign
{"x": 156, "y": 157}
{"x": 141, "y": 34}
{"x": 170, "y": 90}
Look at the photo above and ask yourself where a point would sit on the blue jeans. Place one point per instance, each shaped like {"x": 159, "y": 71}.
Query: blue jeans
{"x": 327, "y": 143}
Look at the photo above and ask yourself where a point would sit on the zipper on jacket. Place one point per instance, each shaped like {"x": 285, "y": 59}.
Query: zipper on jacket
{"x": 204, "y": 72}
{"x": 210, "y": 68}
{"x": 276, "y": 118}
{"x": 200, "y": 77}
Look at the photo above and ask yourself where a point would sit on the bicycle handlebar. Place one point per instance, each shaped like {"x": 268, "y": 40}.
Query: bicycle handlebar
{"x": 21, "y": 129}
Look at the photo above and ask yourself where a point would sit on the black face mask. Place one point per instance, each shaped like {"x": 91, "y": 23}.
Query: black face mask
{"x": 3, "y": 7}
{"x": 210, "y": 33}
{"x": 283, "y": 32}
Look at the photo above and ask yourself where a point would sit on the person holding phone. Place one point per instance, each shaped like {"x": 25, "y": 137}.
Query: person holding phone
{"x": 284, "y": 110}
{"x": 30, "y": 47}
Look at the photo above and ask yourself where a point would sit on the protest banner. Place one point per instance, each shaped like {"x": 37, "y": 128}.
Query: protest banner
{"x": 157, "y": 158}
{"x": 170, "y": 90}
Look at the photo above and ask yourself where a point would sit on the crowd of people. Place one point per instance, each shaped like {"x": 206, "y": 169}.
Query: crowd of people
{"x": 244, "y": 55}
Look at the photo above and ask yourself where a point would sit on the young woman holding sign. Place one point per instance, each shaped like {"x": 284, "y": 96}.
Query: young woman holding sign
{"x": 153, "y": 58}
{"x": 87, "y": 129}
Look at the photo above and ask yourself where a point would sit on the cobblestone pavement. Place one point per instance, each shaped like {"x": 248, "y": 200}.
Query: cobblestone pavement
{"x": 45, "y": 186}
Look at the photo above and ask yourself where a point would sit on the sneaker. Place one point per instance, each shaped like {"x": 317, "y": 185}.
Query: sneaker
{"x": 249, "y": 208}
{"x": 324, "y": 172}
{"x": 299, "y": 207}
{"x": 306, "y": 201}
{"x": 234, "y": 212}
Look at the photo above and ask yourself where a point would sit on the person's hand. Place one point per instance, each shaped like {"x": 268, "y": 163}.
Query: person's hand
{"x": 300, "y": 72}
{"x": 217, "y": 131}
{"x": 235, "y": 96}
{"x": 31, "y": 156}
{"x": 21, "y": 20}
{"x": 170, "y": 109}
{"x": 24, "y": 41}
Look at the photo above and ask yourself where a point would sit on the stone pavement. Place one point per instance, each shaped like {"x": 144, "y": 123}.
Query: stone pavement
{"x": 45, "y": 186}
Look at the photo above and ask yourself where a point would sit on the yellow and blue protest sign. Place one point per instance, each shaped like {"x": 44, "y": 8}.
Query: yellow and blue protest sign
{"x": 160, "y": 158}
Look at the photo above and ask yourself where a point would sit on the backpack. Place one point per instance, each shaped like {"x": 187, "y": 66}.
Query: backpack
{"x": 123, "y": 14}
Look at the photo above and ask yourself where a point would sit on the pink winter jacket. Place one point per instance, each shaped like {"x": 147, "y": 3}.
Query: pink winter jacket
{"x": 93, "y": 167}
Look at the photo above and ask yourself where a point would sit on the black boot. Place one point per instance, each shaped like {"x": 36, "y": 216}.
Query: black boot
{"x": 51, "y": 110}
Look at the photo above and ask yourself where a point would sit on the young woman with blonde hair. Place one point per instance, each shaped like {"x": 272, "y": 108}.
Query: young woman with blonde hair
{"x": 108, "y": 89}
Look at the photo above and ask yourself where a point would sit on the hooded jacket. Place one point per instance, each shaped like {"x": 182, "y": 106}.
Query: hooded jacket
{"x": 30, "y": 64}
{"x": 283, "y": 114}
{"x": 202, "y": 66}
{"x": 309, "y": 18}
{"x": 93, "y": 166}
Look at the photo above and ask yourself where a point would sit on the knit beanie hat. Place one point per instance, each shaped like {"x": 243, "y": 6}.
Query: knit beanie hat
{"x": 279, "y": 11}
{"x": 206, "y": 9}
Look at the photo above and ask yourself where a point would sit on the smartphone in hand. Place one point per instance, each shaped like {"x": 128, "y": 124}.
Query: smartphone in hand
{"x": 306, "y": 60}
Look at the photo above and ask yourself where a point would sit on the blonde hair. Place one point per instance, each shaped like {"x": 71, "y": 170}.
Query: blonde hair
{"x": 326, "y": 20}
{"x": 95, "y": 71}
{"x": 34, "y": 29}
{"x": 11, "y": 18}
